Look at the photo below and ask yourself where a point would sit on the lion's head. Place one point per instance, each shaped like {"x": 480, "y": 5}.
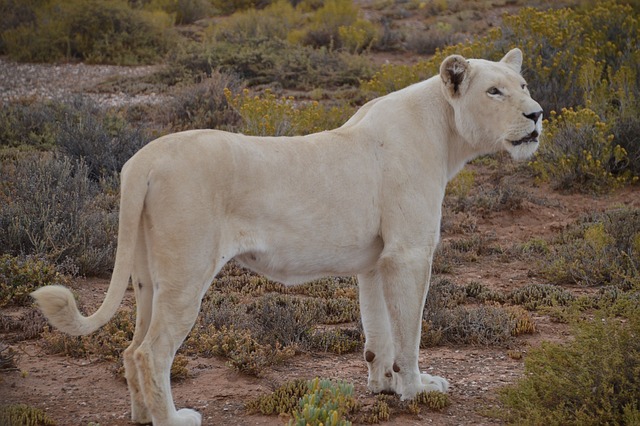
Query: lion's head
{"x": 492, "y": 104}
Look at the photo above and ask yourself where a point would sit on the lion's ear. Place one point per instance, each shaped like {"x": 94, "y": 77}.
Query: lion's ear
{"x": 454, "y": 72}
{"x": 513, "y": 59}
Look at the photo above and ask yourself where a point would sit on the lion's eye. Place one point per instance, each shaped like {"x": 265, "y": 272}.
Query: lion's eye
{"x": 494, "y": 91}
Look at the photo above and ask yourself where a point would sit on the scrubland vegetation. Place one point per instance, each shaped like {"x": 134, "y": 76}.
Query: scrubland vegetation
{"x": 275, "y": 68}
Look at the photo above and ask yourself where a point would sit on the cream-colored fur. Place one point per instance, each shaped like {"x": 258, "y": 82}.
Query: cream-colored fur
{"x": 362, "y": 199}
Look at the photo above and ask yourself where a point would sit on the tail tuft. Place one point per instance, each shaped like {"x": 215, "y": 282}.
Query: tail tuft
{"x": 59, "y": 306}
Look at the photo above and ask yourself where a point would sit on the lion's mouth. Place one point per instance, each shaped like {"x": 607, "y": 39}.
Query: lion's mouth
{"x": 532, "y": 137}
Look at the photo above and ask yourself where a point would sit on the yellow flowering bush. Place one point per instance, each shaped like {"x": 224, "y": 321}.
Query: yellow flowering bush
{"x": 578, "y": 152}
{"x": 270, "y": 115}
{"x": 583, "y": 63}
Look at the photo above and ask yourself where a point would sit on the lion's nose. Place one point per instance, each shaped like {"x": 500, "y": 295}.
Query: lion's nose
{"x": 534, "y": 116}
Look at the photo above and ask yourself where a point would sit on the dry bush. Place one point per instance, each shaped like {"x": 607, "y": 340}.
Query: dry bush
{"x": 285, "y": 320}
{"x": 24, "y": 415}
{"x": 107, "y": 343}
{"x": 8, "y": 357}
{"x": 54, "y": 210}
{"x": 26, "y": 326}
{"x": 19, "y": 276}
{"x": 243, "y": 352}
{"x": 447, "y": 318}
{"x": 203, "y": 105}
{"x": 428, "y": 41}
{"x": 275, "y": 62}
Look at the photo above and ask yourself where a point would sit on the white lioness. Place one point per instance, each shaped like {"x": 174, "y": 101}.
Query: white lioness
{"x": 362, "y": 199}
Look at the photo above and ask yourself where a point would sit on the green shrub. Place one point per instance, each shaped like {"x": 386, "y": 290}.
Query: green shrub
{"x": 274, "y": 21}
{"x": 244, "y": 352}
{"x": 341, "y": 310}
{"x": 328, "y": 288}
{"x": 19, "y": 276}
{"x": 326, "y": 402}
{"x": 230, "y": 6}
{"x": 235, "y": 279}
{"x": 435, "y": 401}
{"x": 592, "y": 380}
{"x": 483, "y": 293}
{"x": 183, "y": 11}
{"x": 24, "y": 415}
{"x": 31, "y": 125}
{"x": 600, "y": 250}
{"x": 534, "y": 296}
{"x": 337, "y": 25}
{"x": 392, "y": 77}
{"x": 14, "y": 13}
{"x": 52, "y": 209}
{"x": 461, "y": 250}
{"x": 223, "y": 310}
{"x": 95, "y": 31}
{"x": 626, "y": 135}
{"x": 282, "y": 400}
{"x": 379, "y": 412}
{"x": 337, "y": 341}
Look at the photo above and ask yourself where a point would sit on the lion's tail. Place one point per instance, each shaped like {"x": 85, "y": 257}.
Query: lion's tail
{"x": 57, "y": 302}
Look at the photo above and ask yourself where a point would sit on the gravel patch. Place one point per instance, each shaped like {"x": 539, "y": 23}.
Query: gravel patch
{"x": 30, "y": 81}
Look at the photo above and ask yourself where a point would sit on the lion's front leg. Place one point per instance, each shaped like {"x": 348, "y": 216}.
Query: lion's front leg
{"x": 379, "y": 351}
{"x": 404, "y": 279}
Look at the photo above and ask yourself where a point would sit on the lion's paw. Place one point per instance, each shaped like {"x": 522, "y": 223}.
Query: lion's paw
{"x": 188, "y": 417}
{"x": 140, "y": 414}
{"x": 434, "y": 383}
{"x": 144, "y": 419}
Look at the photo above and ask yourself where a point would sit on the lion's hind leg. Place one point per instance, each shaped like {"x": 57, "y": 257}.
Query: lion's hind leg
{"x": 144, "y": 298}
{"x": 174, "y": 313}
{"x": 143, "y": 289}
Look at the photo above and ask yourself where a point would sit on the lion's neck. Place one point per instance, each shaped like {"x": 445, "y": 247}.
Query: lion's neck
{"x": 440, "y": 115}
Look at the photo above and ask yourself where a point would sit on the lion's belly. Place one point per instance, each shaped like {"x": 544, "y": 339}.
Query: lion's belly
{"x": 298, "y": 263}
